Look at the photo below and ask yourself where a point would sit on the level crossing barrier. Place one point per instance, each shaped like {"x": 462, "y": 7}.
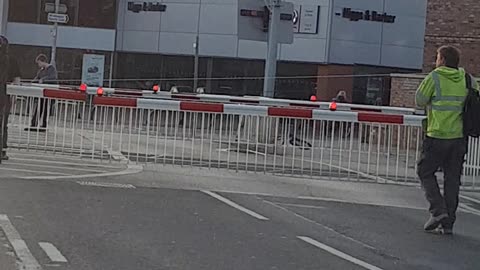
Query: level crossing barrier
{"x": 156, "y": 94}
{"x": 294, "y": 141}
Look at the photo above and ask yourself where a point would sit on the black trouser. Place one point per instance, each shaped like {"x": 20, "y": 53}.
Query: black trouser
{"x": 43, "y": 113}
{"x": 448, "y": 155}
{"x": 4, "y": 114}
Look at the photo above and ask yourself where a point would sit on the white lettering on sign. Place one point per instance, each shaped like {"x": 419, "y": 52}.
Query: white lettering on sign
{"x": 309, "y": 19}
{"x": 305, "y": 19}
{"x": 57, "y": 18}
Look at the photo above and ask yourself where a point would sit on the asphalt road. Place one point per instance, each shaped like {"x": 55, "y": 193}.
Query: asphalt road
{"x": 145, "y": 228}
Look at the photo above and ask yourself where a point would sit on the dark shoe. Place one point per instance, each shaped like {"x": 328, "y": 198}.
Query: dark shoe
{"x": 434, "y": 222}
{"x": 4, "y": 156}
{"x": 447, "y": 231}
{"x": 441, "y": 231}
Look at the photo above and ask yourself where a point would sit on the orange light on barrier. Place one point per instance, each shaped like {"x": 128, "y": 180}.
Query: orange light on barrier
{"x": 156, "y": 88}
{"x": 313, "y": 98}
{"x": 100, "y": 91}
{"x": 333, "y": 106}
{"x": 83, "y": 87}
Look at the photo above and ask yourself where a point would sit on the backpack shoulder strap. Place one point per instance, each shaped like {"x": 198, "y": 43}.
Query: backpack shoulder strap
{"x": 468, "y": 80}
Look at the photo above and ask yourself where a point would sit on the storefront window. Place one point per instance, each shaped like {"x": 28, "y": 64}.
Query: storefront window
{"x": 83, "y": 13}
{"x": 69, "y": 62}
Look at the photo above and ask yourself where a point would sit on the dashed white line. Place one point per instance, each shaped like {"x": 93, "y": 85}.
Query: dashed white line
{"x": 25, "y": 257}
{"x": 52, "y": 252}
{"x": 234, "y": 205}
{"x": 365, "y": 245}
{"x": 338, "y": 253}
{"x": 107, "y": 185}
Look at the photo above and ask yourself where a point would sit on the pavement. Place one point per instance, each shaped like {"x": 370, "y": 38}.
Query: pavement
{"x": 169, "y": 217}
{"x": 47, "y": 165}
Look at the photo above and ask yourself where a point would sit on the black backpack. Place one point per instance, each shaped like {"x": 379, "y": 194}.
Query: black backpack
{"x": 471, "y": 110}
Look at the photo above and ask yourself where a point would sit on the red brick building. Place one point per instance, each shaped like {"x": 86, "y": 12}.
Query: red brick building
{"x": 454, "y": 22}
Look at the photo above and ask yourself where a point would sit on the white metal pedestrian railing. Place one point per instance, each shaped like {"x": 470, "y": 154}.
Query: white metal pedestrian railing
{"x": 364, "y": 146}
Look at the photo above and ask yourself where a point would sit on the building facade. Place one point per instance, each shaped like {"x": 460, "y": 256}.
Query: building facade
{"x": 456, "y": 23}
{"x": 337, "y": 44}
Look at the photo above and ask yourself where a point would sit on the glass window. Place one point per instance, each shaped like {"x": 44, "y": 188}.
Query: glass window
{"x": 69, "y": 62}
{"x": 97, "y": 14}
{"x": 84, "y": 13}
{"x": 23, "y": 11}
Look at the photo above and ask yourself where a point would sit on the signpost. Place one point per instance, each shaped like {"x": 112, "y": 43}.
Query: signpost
{"x": 57, "y": 18}
{"x": 271, "y": 21}
{"x": 254, "y": 19}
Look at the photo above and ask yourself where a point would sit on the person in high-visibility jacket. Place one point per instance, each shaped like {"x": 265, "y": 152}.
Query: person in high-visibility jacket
{"x": 443, "y": 94}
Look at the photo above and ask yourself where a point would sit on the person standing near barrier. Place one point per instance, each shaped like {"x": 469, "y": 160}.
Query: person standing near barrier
{"x": 9, "y": 72}
{"x": 47, "y": 74}
{"x": 443, "y": 93}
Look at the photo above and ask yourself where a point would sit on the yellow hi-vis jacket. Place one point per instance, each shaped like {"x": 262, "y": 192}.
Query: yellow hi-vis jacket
{"x": 443, "y": 93}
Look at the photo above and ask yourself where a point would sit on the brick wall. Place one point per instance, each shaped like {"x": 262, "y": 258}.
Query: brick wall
{"x": 404, "y": 88}
{"x": 453, "y": 22}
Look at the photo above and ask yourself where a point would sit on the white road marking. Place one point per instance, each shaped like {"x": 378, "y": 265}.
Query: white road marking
{"x": 31, "y": 171}
{"x": 338, "y": 253}
{"x": 70, "y": 168}
{"x": 55, "y": 156}
{"x": 107, "y": 185}
{"x": 360, "y": 203}
{"x": 234, "y": 205}
{"x": 52, "y": 252}
{"x": 301, "y": 205}
{"x": 365, "y": 245}
{"x": 323, "y": 199}
{"x": 470, "y": 199}
{"x": 25, "y": 257}
{"x": 469, "y": 209}
{"x": 131, "y": 169}
{"x": 65, "y": 163}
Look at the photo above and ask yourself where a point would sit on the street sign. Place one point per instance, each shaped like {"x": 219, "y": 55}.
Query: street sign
{"x": 57, "y": 18}
{"x": 253, "y": 25}
{"x": 50, "y": 8}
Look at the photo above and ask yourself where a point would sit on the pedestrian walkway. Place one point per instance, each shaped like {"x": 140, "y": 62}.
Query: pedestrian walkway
{"x": 44, "y": 165}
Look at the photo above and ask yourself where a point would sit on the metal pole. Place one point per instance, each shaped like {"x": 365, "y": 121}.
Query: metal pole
{"x": 271, "y": 61}
{"x": 55, "y": 34}
{"x": 196, "y": 46}
{"x": 110, "y": 76}
{"x": 195, "y": 71}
